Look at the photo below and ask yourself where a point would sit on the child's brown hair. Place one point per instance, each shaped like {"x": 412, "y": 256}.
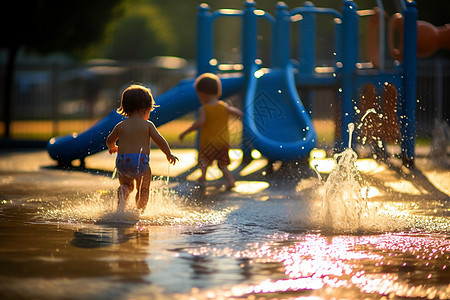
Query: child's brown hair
{"x": 135, "y": 98}
{"x": 207, "y": 83}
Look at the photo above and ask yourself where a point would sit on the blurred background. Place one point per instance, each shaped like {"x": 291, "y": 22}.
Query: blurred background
{"x": 64, "y": 64}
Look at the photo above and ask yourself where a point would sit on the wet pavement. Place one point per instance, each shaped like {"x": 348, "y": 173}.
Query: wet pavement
{"x": 267, "y": 238}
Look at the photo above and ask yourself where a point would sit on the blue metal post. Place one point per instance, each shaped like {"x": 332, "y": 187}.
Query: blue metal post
{"x": 204, "y": 39}
{"x": 249, "y": 36}
{"x": 338, "y": 46}
{"x": 282, "y": 36}
{"x": 350, "y": 58}
{"x": 204, "y": 45}
{"x": 249, "y": 55}
{"x": 408, "y": 105}
{"x": 307, "y": 50}
{"x": 307, "y": 40}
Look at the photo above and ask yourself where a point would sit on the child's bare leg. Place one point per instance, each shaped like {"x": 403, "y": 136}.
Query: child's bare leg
{"x": 124, "y": 190}
{"x": 143, "y": 189}
{"x": 228, "y": 176}
{"x": 203, "y": 168}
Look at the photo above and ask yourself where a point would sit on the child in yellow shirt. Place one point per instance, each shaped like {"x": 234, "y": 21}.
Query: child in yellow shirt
{"x": 213, "y": 121}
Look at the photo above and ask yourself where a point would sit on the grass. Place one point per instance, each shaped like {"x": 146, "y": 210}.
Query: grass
{"x": 44, "y": 130}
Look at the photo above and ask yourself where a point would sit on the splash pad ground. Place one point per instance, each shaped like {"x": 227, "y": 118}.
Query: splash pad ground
{"x": 265, "y": 238}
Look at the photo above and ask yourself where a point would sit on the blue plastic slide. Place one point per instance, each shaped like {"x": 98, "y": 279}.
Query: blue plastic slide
{"x": 173, "y": 104}
{"x": 275, "y": 120}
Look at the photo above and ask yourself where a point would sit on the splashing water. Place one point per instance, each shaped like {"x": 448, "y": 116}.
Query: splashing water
{"x": 78, "y": 208}
{"x": 377, "y": 138}
{"x": 343, "y": 206}
{"x": 165, "y": 207}
{"x": 351, "y": 128}
{"x": 370, "y": 110}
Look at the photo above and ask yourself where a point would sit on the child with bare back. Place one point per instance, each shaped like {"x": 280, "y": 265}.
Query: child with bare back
{"x": 134, "y": 135}
{"x": 213, "y": 121}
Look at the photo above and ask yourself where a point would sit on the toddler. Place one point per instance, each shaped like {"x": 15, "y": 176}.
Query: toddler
{"x": 134, "y": 135}
{"x": 213, "y": 124}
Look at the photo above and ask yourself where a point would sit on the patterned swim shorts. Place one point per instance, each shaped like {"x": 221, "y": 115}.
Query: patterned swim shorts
{"x": 132, "y": 165}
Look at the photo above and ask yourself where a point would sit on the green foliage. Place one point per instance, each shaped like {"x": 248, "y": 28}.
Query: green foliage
{"x": 142, "y": 32}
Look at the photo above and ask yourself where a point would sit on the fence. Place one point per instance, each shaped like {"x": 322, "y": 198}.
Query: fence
{"x": 51, "y": 100}
{"x": 433, "y": 93}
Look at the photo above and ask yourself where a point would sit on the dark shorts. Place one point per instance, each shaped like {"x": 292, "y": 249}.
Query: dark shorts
{"x": 208, "y": 155}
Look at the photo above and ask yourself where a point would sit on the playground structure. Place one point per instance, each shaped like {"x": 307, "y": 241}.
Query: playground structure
{"x": 347, "y": 75}
{"x": 275, "y": 120}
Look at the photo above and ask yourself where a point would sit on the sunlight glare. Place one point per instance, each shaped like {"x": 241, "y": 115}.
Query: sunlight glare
{"x": 250, "y": 187}
{"x": 402, "y": 186}
{"x": 323, "y": 165}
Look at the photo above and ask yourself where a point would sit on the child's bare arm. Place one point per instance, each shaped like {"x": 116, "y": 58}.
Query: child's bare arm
{"x": 162, "y": 144}
{"x": 197, "y": 124}
{"x": 112, "y": 139}
{"x": 235, "y": 111}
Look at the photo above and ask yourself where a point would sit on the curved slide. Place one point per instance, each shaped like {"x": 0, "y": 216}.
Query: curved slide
{"x": 173, "y": 104}
{"x": 275, "y": 120}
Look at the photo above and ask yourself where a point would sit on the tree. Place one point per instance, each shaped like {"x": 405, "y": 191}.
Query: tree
{"x": 50, "y": 25}
{"x": 143, "y": 32}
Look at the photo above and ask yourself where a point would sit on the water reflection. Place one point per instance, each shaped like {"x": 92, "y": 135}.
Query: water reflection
{"x": 394, "y": 265}
{"x": 101, "y": 236}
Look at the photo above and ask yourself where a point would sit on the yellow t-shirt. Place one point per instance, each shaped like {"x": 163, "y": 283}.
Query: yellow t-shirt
{"x": 214, "y": 132}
